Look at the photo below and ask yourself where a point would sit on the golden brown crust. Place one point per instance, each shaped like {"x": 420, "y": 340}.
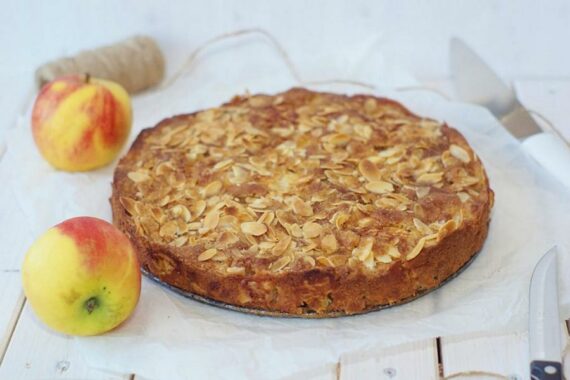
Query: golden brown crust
{"x": 409, "y": 208}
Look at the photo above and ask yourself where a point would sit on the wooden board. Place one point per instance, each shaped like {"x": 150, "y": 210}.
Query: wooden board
{"x": 417, "y": 360}
{"x": 504, "y": 355}
{"x": 37, "y": 353}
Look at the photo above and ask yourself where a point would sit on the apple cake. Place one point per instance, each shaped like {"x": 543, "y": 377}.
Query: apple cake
{"x": 303, "y": 203}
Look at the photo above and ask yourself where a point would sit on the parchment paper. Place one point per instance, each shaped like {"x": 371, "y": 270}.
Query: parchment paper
{"x": 170, "y": 337}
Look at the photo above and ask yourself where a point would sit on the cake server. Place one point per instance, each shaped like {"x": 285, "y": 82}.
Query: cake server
{"x": 475, "y": 82}
{"x": 544, "y": 323}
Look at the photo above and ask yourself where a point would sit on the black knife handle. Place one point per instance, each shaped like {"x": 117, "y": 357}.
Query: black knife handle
{"x": 543, "y": 370}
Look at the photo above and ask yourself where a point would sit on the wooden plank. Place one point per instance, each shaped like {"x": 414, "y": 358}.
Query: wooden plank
{"x": 417, "y": 360}
{"x": 38, "y": 353}
{"x": 499, "y": 356}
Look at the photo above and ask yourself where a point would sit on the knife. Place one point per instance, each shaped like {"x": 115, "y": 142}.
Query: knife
{"x": 475, "y": 82}
{"x": 544, "y": 323}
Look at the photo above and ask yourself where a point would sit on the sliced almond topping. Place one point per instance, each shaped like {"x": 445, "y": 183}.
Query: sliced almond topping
{"x": 446, "y": 228}
{"x": 223, "y": 165}
{"x": 422, "y": 227}
{"x": 311, "y": 230}
{"x": 235, "y": 270}
{"x": 463, "y": 197}
{"x": 138, "y": 176}
{"x": 253, "y": 228}
{"x": 211, "y": 220}
{"x": 364, "y": 249}
{"x": 338, "y": 139}
{"x": 340, "y": 219}
{"x": 212, "y": 188}
{"x": 182, "y": 211}
{"x": 199, "y": 207}
{"x": 266, "y": 245}
{"x": 130, "y": 205}
{"x": 363, "y": 131}
{"x": 459, "y": 153}
{"x": 179, "y": 242}
{"x": 280, "y": 263}
{"x": 394, "y": 252}
{"x": 325, "y": 261}
{"x": 416, "y": 250}
{"x": 430, "y": 178}
{"x": 379, "y": 187}
{"x": 168, "y": 229}
{"x": 422, "y": 191}
{"x": 282, "y": 245}
{"x": 208, "y": 254}
{"x": 296, "y": 230}
{"x": 309, "y": 260}
{"x": 384, "y": 259}
{"x": 369, "y": 171}
{"x": 329, "y": 243}
{"x": 301, "y": 208}
{"x": 194, "y": 226}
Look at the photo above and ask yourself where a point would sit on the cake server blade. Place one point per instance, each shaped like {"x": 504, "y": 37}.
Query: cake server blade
{"x": 544, "y": 322}
{"x": 475, "y": 82}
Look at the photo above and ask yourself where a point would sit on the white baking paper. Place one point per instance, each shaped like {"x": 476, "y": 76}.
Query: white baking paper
{"x": 171, "y": 337}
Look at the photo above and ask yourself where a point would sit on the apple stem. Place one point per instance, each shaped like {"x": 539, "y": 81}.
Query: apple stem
{"x": 87, "y": 77}
{"x": 91, "y": 304}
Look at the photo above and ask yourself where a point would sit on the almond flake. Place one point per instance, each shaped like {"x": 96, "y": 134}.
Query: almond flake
{"x": 281, "y": 263}
{"x": 212, "y": 188}
{"x": 138, "y": 177}
{"x": 181, "y": 210}
{"x": 463, "y": 197}
{"x": 325, "y": 261}
{"x": 329, "y": 243}
{"x": 369, "y": 171}
{"x": 430, "y": 178}
{"x": 253, "y": 228}
{"x": 416, "y": 250}
{"x": 422, "y": 227}
{"x": 301, "y": 208}
{"x": 179, "y": 242}
{"x": 282, "y": 245}
{"x": 130, "y": 205}
{"x": 311, "y": 230}
{"x": 421, "y": 192}
{"x": 235, "y": 270}
{"x": 459, "y": 153}
{"x": 208, "y": 254}
{"x": 168, "y": 229}
{"x": 394, "y": 252}
{"x": 199, "y": 207}
{"x": 211, "y": 220}
{"x": 223, "y": 165}
{"x": 379, "y": 187}
{"x": 384, "y": 259}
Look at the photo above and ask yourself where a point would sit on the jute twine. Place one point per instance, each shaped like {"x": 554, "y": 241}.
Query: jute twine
{"x": 136, "y": 63}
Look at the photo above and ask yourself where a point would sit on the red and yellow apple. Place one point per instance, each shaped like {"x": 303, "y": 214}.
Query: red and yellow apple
{"x": 82, "y": 277}
{"x": 81, "y": 123}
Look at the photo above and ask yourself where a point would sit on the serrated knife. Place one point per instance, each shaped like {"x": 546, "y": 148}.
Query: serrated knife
{"x": 475, "y": 82}
{"x": 543, "y": 322}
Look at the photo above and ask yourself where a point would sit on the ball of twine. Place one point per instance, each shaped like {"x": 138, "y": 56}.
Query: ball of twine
{"x": 136, "y": 63}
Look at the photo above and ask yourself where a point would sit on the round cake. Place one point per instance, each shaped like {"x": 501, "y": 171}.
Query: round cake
{"x": 303, "y": 203}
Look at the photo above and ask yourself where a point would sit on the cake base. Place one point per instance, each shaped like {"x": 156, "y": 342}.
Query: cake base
{"x": 266, "y": 313}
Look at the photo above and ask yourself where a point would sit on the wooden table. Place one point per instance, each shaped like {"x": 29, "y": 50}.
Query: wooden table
{"x": 29, "y": 351}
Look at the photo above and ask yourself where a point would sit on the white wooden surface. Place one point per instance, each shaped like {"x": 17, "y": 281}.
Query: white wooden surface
{"x": 30, "y": 351}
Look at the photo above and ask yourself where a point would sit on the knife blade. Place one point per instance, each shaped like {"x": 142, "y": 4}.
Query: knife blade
{"x": 476, "y": 82}
{"x": 544, "y": 323}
